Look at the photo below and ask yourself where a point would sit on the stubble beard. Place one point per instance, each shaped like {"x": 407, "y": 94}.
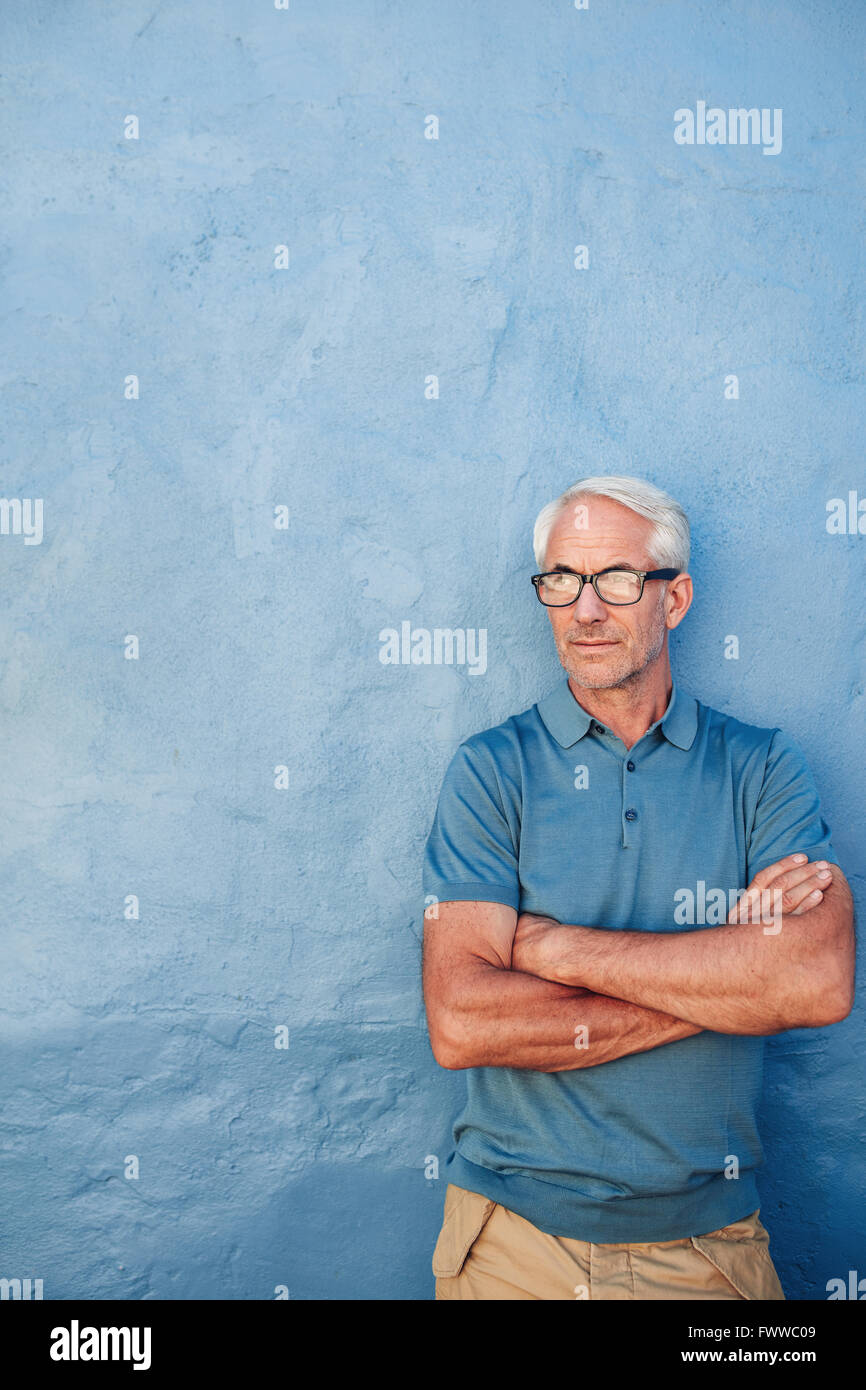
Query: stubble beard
{"x": 620, "y": 665}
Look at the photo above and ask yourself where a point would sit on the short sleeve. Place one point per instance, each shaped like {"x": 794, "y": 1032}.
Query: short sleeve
{"x": 472, "y": 849}
{"x": 788, "y": 817}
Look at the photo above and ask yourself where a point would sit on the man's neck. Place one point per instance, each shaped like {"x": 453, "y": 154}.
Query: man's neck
{"x": 626, "y": 712}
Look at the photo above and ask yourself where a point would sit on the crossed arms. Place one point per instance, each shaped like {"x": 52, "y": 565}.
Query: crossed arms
{"x": 503, "y": 990}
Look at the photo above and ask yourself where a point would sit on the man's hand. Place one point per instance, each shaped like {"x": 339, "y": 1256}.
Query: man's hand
{"x": 793, "y": 886}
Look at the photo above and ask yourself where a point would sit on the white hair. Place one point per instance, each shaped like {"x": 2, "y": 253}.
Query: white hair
{"x": 669, "y": 540}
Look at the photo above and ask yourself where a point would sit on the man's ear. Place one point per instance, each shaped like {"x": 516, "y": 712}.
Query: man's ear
{"x": 683, "y": 594}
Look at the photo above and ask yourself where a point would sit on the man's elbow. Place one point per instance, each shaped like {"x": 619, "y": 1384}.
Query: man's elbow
{"x": 448, "y": 1056}
{"x": 831, "y": 999}
{"x": 449, "y": 1042}
{"x": 834, "y": 1004}
{"x": 836, "y": 966}
{"x": 827, "y": 976}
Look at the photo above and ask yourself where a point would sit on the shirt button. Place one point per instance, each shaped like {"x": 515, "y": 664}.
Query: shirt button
{"x": 631, "y": 814}
{"x": 630, "y": 765}
{"x": 599, "y": 728}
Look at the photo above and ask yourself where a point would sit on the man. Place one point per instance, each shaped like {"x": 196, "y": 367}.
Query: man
{"x": 592, "y": 956}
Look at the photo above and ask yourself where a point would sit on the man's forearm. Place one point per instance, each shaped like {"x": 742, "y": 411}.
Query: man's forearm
{"x": 732, "y": 979}
{"x": 504, "y": 1018}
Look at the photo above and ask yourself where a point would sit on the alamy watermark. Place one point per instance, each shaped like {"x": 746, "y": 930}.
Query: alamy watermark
{"x": 444, "y": 646}
{"x": 22, "y": 516}
{"x": 737, "y": 125}
{"x": 703, "y": 906}
{"x": 24, "y": 1289}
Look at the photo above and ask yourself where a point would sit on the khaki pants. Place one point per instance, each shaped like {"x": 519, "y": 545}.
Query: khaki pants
{"x": 486, "y": 1251}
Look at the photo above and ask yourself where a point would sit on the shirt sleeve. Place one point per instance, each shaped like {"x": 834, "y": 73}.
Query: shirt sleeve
{"x": 472, "y": 849}
{"x": 788, "y": 817}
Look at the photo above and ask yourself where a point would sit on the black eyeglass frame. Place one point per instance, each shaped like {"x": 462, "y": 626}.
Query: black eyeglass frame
{"x": 643, "y": 576}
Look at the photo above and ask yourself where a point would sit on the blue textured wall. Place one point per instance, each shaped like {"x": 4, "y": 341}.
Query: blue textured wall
{"x": 262, "y": 905}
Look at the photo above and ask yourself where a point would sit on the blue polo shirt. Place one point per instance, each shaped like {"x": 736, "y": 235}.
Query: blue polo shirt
{"x": 549, "y": 812}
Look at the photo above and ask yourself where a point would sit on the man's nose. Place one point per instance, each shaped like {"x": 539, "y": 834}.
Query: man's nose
{"x": 589, "y": 606}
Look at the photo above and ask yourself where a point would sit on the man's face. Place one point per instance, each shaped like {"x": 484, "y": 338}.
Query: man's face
{"x": 634, "y": 634}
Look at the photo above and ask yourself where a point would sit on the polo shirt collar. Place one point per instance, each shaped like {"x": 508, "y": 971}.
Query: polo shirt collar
{"x": 568, "y": 721}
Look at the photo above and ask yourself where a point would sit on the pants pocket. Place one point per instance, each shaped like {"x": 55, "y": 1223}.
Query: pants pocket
{"x": 740, "y": 1252}
{"x": 465, "y": 1216}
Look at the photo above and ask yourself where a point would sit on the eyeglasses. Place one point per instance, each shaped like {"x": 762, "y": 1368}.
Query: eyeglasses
{"x": 561, "y": 588}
